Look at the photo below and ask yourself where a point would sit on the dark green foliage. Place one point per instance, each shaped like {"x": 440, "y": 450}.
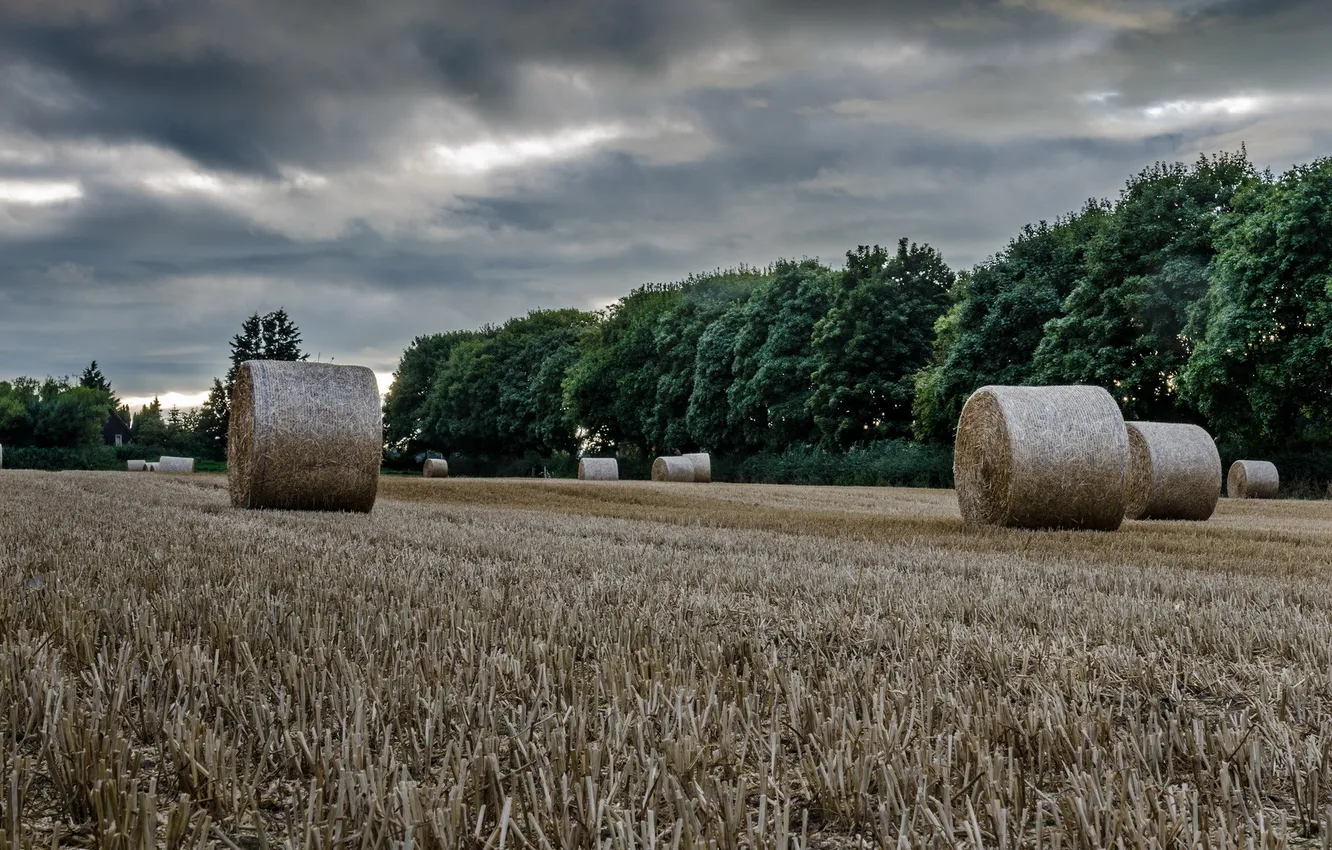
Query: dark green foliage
{"x": 708, "y": 416}
{"x": 1263, "y": 373}
{"x": 876, "y": 336}
{"x": 703, "y": 300}
{"x": 59, "y": 458}
{"x": 404, "y": 406}
{"x": 772, "y": 374}
{"x": 501, "y": 393}
{"x": 51, "y": 413}
{"x": 1000, "y": 319}
{"x": 93, "y": 379}
{"x": 273, "y": 336}
{"x": 1123, "y": 325}
{"x": 888, "y": 463}
{"x": 611, "y": 389}
{"x": 212, "y": 423}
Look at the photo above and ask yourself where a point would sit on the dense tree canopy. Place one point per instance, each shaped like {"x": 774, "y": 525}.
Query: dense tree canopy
{"x": 1200, "y": 294}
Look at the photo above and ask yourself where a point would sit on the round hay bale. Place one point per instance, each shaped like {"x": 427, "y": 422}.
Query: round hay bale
{"x": 673, "y": 469}
{"x": 177, "y": 465}
{"x": 435, "y": 467}
{"x": 702, "y": 462}
{"x": 304, "y": 436}
{"x": 599, "y": 469}
{"x": 1041, "y": 457}
{"x": 135, "y": 466}
{"x": 1174, "y": 472}
{"x": 1252, "y": 479}
{"x": 150, "y": 467}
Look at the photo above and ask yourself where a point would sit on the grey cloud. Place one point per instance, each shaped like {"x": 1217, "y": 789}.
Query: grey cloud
{"x": 804, "y": 128}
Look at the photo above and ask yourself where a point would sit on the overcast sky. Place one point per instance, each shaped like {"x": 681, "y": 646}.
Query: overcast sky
{"x": 390, "y": 168}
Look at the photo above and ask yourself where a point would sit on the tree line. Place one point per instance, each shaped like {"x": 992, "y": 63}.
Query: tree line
{"x": 58, "y": 422}
{"x": 1200, "y": 294}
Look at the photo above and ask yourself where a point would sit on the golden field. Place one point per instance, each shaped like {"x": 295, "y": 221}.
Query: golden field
{"x": 559, "y": 664}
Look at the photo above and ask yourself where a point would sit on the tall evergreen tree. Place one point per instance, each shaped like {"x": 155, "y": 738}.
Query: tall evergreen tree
{"x": 93, "y": 379}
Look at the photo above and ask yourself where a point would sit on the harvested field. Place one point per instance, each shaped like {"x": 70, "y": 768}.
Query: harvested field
{"x": 543, "y": 664}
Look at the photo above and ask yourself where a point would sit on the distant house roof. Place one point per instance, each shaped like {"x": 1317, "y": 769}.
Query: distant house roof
{"x": 115, "y": 426}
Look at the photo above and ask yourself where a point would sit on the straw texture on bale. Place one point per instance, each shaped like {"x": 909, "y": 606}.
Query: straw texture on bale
{"x": 1174, "y": 472}
{"x": 673, "y": 469}
{"x": 1041, "y": 457}
{"x": 304, "y": 436}
{"x": 1252, "y": 479}
{"x": 435, "y": 467}
{"x": 136, "y": 466}
{"x": 599, "y": 469}
{"x": 702, "y": 462}
{"x": 179, "y": 465}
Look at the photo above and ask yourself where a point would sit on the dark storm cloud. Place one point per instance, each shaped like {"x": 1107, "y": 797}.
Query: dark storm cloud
{"x": 400, "y": 167}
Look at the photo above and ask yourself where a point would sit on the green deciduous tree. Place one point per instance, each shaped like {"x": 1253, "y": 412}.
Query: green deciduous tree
{"x": 1123, "y": 325}
{"x": 501, "y": 394}
{"x": 1262, "y": 374}
{"x": 611, "y": 389}
{"x": 876, "y": 336}
{"x": 1000, "y": 319}
{"x": 404, "y": 406}
{"x": 775, "y": 359}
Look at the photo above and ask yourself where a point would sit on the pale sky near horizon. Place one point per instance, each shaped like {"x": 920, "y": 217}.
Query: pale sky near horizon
{"x": 401, "y": 167}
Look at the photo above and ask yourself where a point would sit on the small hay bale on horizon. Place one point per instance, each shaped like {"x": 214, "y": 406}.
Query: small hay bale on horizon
{"x": 702, "y": 462}
{"x": 1041, "y": 457}
{"x": 304, "y": 436}
{"x": 176, "y": 465}
{"x": 674, "y": 468}
{"x": 435, "y": 467}
{"x": 150, "y": 467}
{"x": 136, "y": 466}
{"x": 1174, "y": 472}
{"x": 1252, "y": 479}
{"x": 599, "y": 469}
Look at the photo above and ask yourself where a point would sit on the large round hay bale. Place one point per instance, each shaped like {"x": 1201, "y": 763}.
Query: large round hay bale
{"x": 136, "y": 466}
{"x": 702, "y": 462}
{"x": 599, "y": 469}
{"x": 436, "y": 467}
{"x": 1041, "y": 457}
{"x": 1252, "y": 479}
{"x": 673, "y": 469}
{"x": 178, "y": 465}
{"x": 1174, "y": 472}
{"x": 304, "y": 436}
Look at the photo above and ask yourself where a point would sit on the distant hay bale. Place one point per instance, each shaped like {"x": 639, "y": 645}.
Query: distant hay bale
{"x": 1041, "y": 457}
{"x": 150, "y": 467}
{"x": 436, "y": 467}
{"x": 675, "y": 468}
{"x": 1174, "y": 472}
{"x": 176, "y": 465}
{"x": 599, "y": 469}
{"x": 304, "y": 436}
{"x": 136, "y": 466}
{"x": 702, "y": 462}
{"x": 1252, "y": 479}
